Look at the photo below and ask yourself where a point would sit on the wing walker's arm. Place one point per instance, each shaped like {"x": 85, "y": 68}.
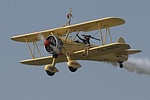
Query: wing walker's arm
{"x": 80, "y": 38}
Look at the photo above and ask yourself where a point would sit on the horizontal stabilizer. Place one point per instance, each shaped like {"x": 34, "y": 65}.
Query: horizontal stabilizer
{"x": 132, "y": 51}
{"x": 121, "y": 40}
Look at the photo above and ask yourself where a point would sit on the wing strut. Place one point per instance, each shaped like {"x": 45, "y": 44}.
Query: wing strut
{"x": 38, "y": 49}
{"x": 101, "y": 36}
{"x": 105, "y": 36}
{"x": 75, "y": 36}
{"x": 67, "y": 34}
{"x": 32, "y": 52}
{"x": 103, "y": 39}
{"x": 29, "y": 48}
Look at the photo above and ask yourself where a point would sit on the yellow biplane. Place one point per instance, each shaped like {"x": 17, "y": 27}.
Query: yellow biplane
{"x": 63, "y": 49}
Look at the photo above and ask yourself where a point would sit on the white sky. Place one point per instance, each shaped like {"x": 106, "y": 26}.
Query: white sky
{"x": 95, "y": 80}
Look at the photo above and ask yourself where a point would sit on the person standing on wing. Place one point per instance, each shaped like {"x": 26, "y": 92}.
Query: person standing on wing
{"x": 86, "y": 41}
{"x": 69, "y": 16}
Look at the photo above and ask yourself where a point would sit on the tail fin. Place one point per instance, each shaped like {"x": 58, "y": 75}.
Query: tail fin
{"x": 121, "y": 40}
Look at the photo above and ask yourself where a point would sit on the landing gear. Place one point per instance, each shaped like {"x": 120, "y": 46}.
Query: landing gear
{"x": 50, "y": 68}
{"x": 72, "y": 64}
{"x": 50, "y": 73}
{"x": 72, "y": 69}
{"x": 120, "y": 64}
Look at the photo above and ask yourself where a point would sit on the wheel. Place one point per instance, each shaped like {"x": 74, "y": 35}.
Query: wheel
{"x": 121, "y": 65}
{"x": 72, "y": 69}
{"x": 50, "y": 73}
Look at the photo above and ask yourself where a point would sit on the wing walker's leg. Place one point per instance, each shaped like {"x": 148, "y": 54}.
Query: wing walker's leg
{"x": 69, "y": 16}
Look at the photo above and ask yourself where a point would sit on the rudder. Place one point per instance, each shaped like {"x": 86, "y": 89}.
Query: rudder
{"x": 121, "y": 40}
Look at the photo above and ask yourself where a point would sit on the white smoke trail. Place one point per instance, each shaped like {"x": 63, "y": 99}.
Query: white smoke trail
{"x": 138, "y": 65}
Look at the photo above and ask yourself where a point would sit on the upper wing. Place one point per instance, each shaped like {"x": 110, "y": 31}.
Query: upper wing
{"x": 61, "y": 31}
{"x": 97, "y": 24}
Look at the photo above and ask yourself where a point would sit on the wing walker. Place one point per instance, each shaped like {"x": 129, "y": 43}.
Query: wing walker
{"x": 62, "y": 48}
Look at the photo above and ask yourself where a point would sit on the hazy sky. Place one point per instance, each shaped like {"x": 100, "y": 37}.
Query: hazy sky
{"x": 95, "y": 80}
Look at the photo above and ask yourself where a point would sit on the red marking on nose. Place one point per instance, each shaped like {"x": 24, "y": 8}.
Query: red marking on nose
{"x": 47, "y": 43}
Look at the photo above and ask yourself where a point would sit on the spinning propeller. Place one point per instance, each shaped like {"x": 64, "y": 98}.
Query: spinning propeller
{"x": 49, "y": 42}
{"x": 40, "y": 37}
{"x": 53, "y": 44}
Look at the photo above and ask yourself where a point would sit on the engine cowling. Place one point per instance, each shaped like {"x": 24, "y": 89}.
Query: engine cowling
{"x": 53, "y": 45}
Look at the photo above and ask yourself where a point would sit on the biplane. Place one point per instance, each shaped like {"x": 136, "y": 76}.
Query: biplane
{"x": 61, "y": 48}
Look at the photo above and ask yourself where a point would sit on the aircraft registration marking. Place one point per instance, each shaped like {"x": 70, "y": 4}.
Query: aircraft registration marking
{"x": 109, "y": 48}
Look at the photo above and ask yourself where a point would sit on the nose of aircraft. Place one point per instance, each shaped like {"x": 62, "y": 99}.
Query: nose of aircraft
{"x": 47, "y": 43}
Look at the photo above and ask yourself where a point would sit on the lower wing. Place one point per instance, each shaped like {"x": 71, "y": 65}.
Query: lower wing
{"x": 110, "y": 53}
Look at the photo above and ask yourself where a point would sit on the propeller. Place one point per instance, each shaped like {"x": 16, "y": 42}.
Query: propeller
{"x": 48, "y": 42}
{"x": 91, "y": 37}
{"x": 40, "y": 37}
{"x": 52, "y": 44}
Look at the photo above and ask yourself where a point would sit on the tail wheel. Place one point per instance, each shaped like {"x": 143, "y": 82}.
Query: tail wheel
{"x": 72, "y": 69}
{"x": 120, "y": 64}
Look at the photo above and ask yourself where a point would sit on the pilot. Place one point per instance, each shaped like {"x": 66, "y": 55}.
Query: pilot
{"x": 86, "y": 41}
